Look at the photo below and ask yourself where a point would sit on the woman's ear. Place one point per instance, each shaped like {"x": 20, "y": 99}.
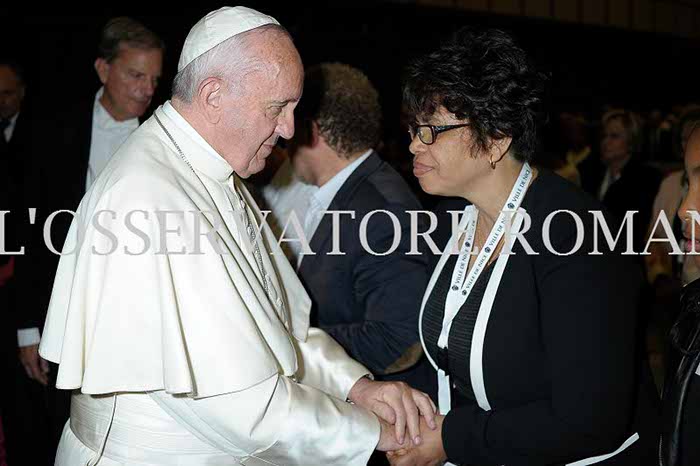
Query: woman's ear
{"x": 498, "y": 148}
{"x": 501, "y": 147}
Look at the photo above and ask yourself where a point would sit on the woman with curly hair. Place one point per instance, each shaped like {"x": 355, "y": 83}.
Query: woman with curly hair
{"x": 533, "y": 340}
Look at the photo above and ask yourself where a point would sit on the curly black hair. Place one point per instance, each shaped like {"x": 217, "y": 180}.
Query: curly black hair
{"x": 482, "y": 76}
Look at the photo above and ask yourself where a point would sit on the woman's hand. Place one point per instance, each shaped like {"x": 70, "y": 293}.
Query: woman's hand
{"x": 429, "y": 453}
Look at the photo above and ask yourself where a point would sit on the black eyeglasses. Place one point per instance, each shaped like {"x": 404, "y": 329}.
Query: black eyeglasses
{"x": 428, "y": 133}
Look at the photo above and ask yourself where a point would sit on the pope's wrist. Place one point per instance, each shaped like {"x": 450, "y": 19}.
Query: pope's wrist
{"x": 357, "y": 389}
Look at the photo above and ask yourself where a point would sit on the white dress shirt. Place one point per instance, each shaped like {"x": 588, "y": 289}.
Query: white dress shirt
{"x": 608, "y": 181}
{"x": 11, "y": 127}
{"x": 285, "y": 195}
{"x": 320, "y": 200}
{"x": 108, "y": 135}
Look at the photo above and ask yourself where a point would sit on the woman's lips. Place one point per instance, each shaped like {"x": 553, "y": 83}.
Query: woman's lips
{"x": 419, "y": 169}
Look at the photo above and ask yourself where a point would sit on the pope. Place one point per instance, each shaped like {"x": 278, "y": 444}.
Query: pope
{"x": 187, "y": 341}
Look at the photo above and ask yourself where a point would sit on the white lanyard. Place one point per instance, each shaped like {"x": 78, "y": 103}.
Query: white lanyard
{"x": 461, "y": 287}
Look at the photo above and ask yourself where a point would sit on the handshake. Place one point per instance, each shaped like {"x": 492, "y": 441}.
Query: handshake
{"x": 411, "y": 429}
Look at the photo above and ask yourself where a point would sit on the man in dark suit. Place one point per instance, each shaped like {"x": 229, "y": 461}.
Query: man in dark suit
{"x": 368, "y": 298}
{"x": 65, "y": 156}
{"x": 14, "y": 136}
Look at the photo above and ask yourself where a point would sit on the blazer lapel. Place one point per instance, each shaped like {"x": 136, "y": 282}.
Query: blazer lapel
{"x": 341, "y": 200}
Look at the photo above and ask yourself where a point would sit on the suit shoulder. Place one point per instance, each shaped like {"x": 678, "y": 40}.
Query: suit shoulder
{"x": 386, "y": 189}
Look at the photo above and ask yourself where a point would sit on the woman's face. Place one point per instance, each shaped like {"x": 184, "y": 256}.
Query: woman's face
{"x": 446, "y": 167}
{"x": 613, "y": 147}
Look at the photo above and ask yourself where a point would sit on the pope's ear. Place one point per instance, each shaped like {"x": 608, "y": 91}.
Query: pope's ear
{"x": 210, "y": 99}
{"x": 102, "y": 68}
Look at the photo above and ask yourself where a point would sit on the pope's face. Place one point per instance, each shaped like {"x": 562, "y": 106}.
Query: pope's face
{"x": 264, "y": 111}
{"x": 129, "y": 80}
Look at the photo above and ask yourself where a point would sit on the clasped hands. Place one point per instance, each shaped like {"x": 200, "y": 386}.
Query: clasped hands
{"x": 402, "y": 410}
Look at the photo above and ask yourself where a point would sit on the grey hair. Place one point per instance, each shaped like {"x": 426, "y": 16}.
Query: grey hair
{"x": 229, "y": 61}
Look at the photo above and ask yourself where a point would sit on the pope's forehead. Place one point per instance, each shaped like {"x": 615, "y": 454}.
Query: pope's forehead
{"x": 275, "y": 83}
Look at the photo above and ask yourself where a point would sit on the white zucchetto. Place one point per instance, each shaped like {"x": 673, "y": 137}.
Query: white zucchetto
{"x": 218, "y": 26}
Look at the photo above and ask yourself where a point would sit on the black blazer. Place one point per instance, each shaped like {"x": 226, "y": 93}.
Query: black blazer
{"x": 368, "y": 303}
{"x": 634, "y": 190}
{"x": 54, "y": 177}
{"x": 560, "y": 358}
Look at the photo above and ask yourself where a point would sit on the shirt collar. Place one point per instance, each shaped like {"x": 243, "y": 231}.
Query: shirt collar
{"x": 325, "y": 194}
{"x": 105, "y": 121}
{"x": 206, "y": 160}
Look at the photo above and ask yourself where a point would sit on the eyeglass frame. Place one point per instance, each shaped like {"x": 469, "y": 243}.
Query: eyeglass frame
{"x": 434, "y": 131}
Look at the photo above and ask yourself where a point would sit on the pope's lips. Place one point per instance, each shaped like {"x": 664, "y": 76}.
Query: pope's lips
{"x": 419, "y": 169}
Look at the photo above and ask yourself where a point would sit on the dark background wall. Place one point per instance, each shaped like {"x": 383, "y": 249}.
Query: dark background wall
{"x": 589, "y": 65}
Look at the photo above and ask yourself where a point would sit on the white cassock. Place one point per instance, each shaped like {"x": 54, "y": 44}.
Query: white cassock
{"x": 185, "y": 359}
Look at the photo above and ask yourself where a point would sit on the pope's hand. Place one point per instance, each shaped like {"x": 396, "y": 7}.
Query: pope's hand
{"x": 37, "y": 368}
{"x": 397, "y": 404}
